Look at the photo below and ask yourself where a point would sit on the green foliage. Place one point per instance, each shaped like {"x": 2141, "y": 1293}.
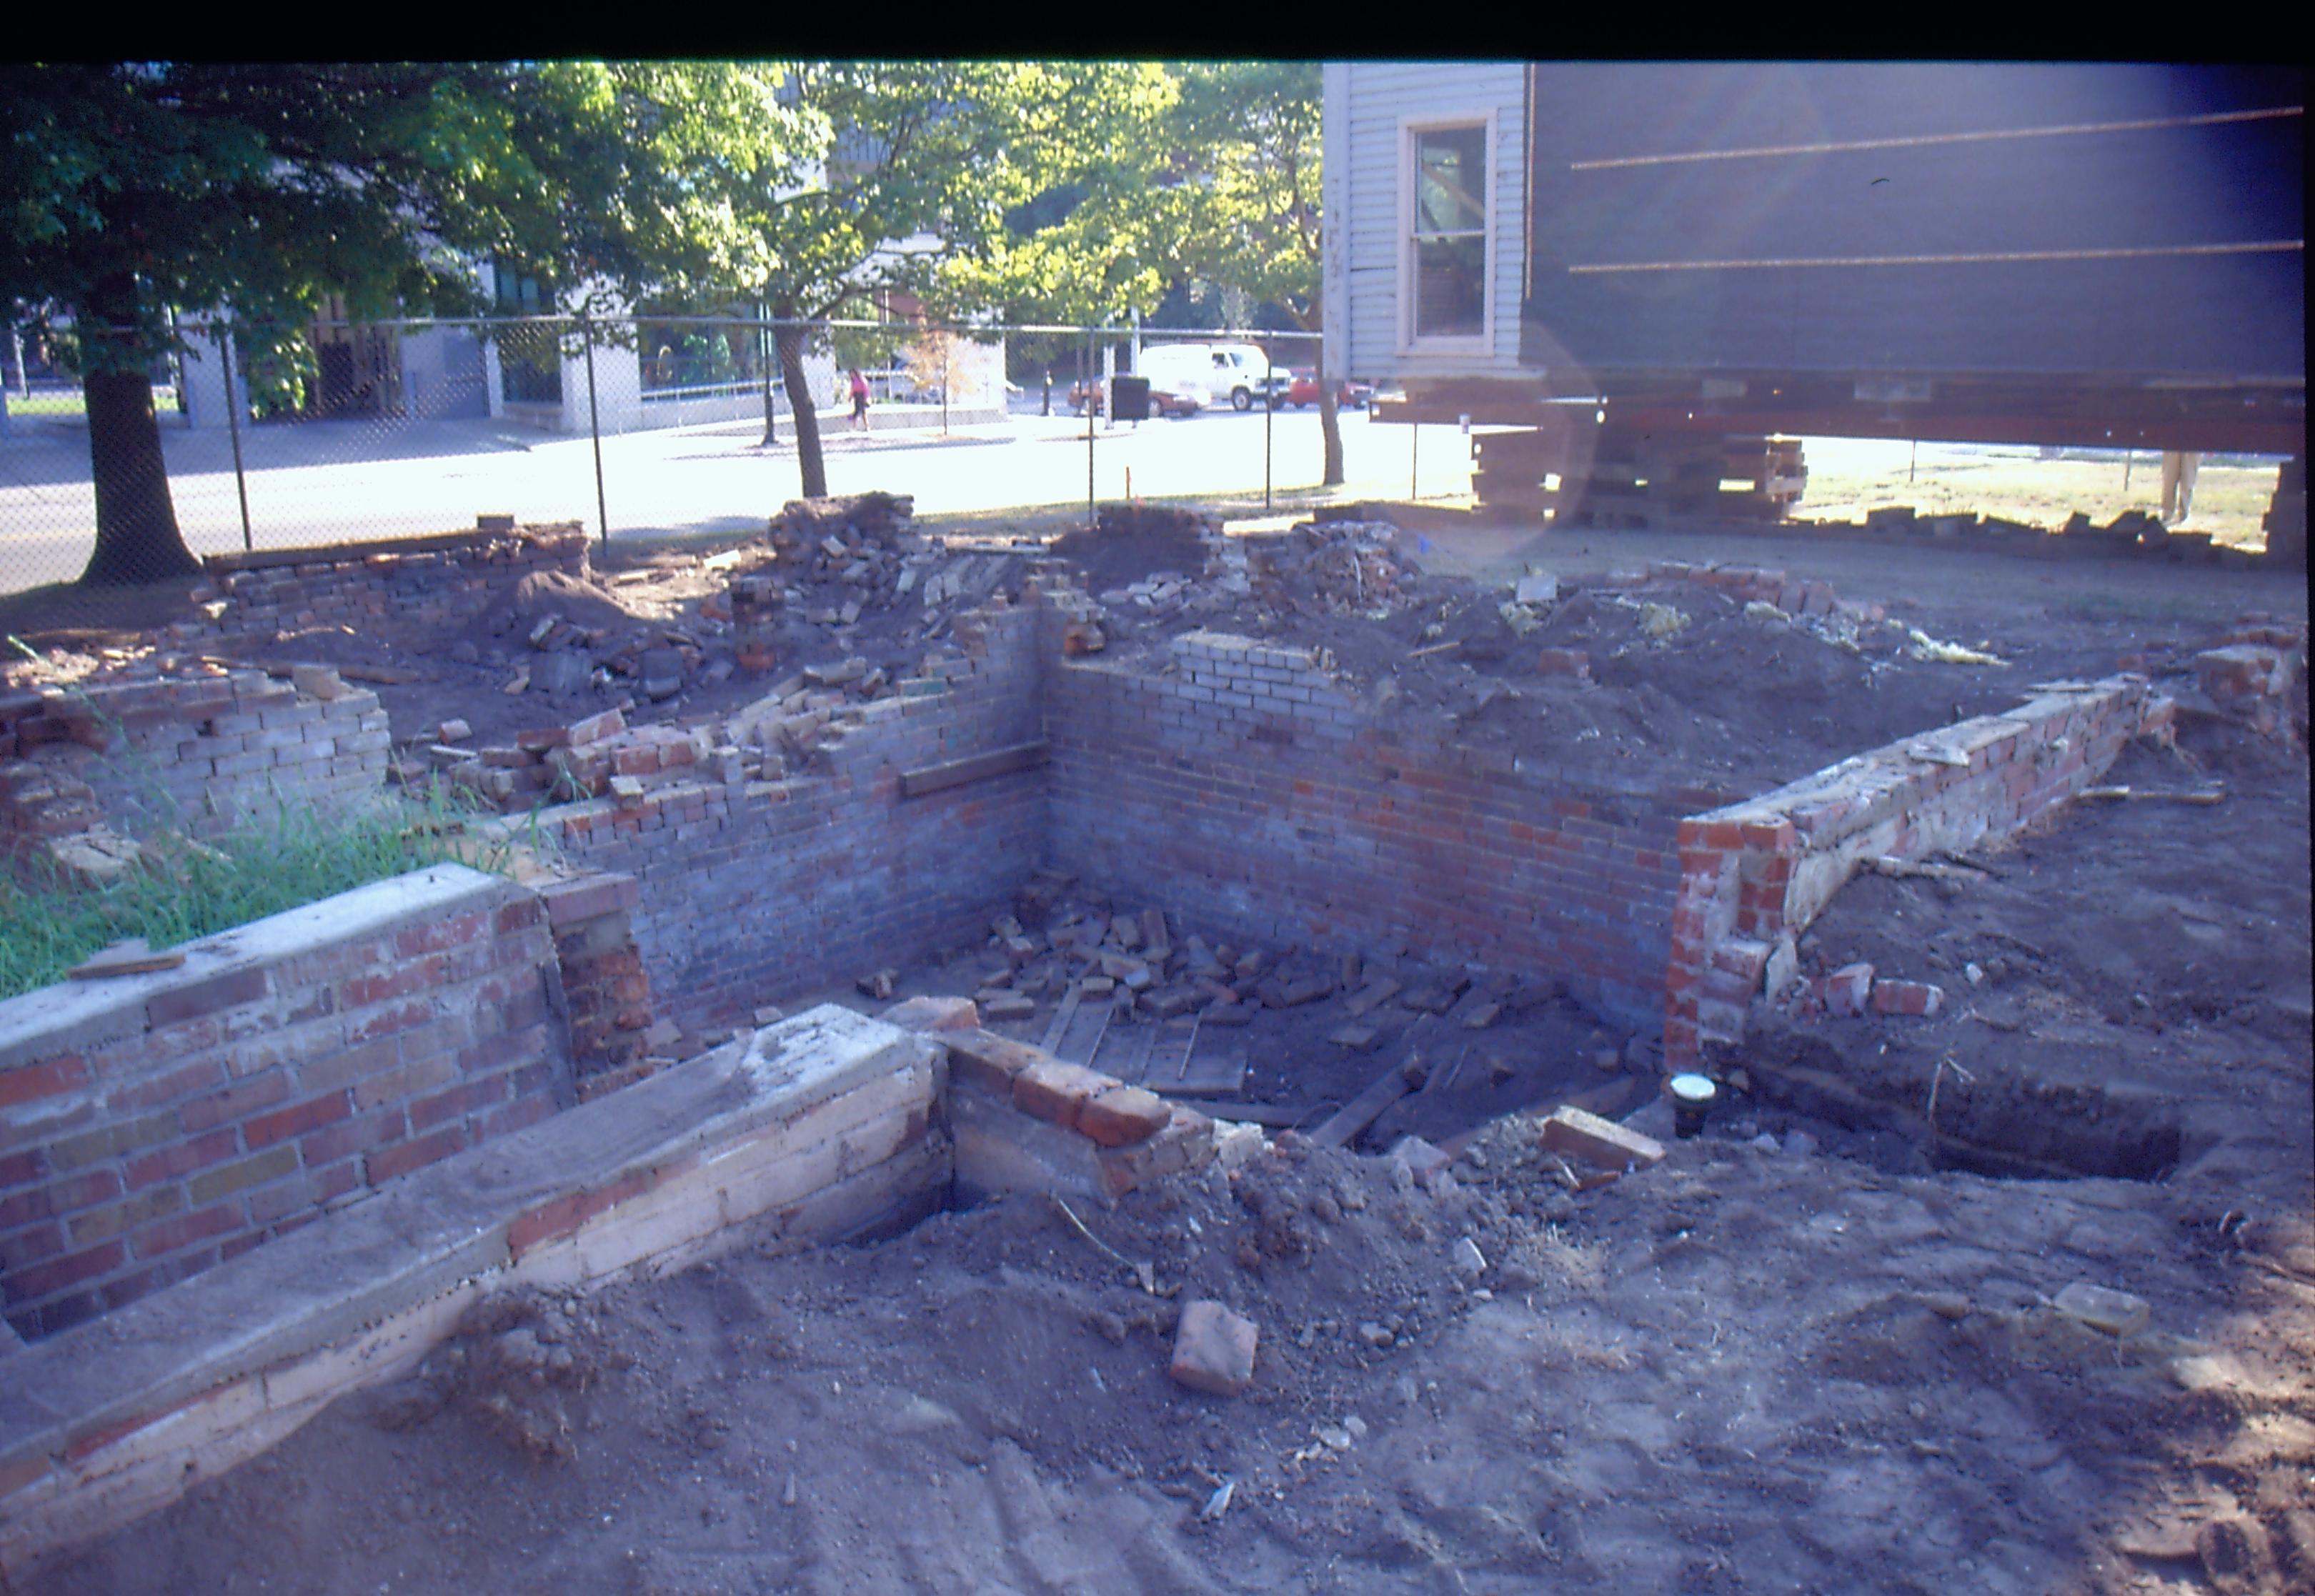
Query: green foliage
{"x": 1249, "y": 141}
{"x": 296, "y": 856}
{"x": 1099, "y": 234}
{"x": 131, "y": 190}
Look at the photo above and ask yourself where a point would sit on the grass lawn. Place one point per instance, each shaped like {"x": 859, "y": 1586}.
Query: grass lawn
{"x": 1848, "y": 477}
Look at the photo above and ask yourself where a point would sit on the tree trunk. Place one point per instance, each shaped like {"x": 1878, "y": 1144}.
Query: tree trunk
{"x": 803, "y": 414}
{"x": 1330, "y": 428}
{"x": 137, "y": 536}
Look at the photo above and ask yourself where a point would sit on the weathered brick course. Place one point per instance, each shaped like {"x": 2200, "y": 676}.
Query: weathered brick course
{"x": 223, "y": 1107}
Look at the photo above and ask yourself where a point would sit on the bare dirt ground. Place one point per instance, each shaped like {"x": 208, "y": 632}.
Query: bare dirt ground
{"x": 1815, "y": 1350}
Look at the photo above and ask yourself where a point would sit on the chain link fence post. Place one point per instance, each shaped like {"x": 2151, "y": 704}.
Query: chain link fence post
{"x": 595, "y": 429}
{"x": 232, "y": 402}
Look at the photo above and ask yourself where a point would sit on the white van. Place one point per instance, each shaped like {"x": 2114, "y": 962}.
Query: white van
{"x": 1238, "y": 371}
{"x": 1179, "y": 368}
{"x": 1232, "y": 371}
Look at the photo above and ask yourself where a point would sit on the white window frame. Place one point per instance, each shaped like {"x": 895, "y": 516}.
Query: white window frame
{"x": 1484, "y": 342}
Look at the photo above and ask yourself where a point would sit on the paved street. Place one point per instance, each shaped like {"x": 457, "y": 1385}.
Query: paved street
{"x": 324, "y": 482}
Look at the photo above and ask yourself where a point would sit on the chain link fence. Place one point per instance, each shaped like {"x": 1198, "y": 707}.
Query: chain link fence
{"x": 650, "y": 427}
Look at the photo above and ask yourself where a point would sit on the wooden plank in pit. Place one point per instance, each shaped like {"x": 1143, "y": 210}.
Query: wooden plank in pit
{"x": 1061, "y": 1018}
{"x": 1277, "y": 1116}
{"x": 1217, "y": 1070}
{"x": 1362, "y": 1110}
{"x": 973, "y": 767}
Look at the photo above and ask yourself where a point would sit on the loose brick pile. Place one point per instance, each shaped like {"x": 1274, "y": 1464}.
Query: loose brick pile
{"x": 1753, "y": 875}
{"x": 426, "y": 584}
{"x": 153, "y": 1126}
{"x": 2253, "y": 673}
{"x": 1751, "y": 584}
{"x": 836, "y": 559}
{"x": 1136, "y": 1137}
{"x": 189, "y": 753}
{"x": 753, "y": 882}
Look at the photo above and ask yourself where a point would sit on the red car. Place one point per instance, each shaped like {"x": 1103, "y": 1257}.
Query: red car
{"x": 1353, "y": 395}
{"x": 1163, "y": 402}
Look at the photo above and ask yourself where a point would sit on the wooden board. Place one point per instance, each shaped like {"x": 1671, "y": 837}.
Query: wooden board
{"x": 1198, "y": 1066}
{"x": 1276, "y": 1115}
{"x": 1363, "y": 1110}
{"x": 955, "y": 772}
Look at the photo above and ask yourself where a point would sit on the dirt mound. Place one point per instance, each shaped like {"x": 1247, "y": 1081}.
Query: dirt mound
{"x": 1138, "y": 545}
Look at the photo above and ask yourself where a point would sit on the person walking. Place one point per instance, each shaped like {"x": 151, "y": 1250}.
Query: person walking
{"x": 859, "y": 401}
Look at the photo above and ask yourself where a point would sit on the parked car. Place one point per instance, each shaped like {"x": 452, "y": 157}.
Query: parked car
{"x": 1303, "y": 391}
{"x": 1174, "y": 399}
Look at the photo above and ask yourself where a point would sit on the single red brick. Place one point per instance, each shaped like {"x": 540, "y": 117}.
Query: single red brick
{"x": 1578, "y": 1134}
{"x": 180, "y": 1158}
{"x": 433, "y": 937}
{"x": 522, "y": 1111}
{"x": 934, "y": 1014}
{"x": 1215, "y": 1348}
{"x": 517, "y": 916}
{"x": 404, "y": 1156}
{"x": 1920, "y": 998}
{"x": 1849, "y": 989}
{"x": 297, "y": 1120}
{"x": 204, "y": 997}
{"x": 1056, "y": 1091}
{"x": 185, "y": 1230}
{"x": 561, "y": 1216}
{"x": 26, "y": 1285}
{"x": 358, "y": 1134}
{"x": 426, "y": 1113}
{"x": 42, "y": 1240}
{"x": 1123, "y": 1115}
{"x": 988, "y": 1060}
{"x": 51, "y": 1078}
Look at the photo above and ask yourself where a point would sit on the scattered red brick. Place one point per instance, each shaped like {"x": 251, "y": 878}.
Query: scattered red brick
{"x": 1213, "y": 1349}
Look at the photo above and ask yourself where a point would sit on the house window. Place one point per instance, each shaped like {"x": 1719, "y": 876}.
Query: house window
{"x": 530, "y": 357}
{"x": 1447, "y": 243}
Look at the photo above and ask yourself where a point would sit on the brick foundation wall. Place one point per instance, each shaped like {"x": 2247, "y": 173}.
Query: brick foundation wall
{"x": 1753, "y": 875}
{"x": 152, "y": 1125}
{"x": 753, "y": 888}
{"x": 192, "y": 753}
{"x": 607, "y": 996}
{"x": 822, "y": 1128}
{"x": 1247, "y": 791}
{"x": 419, "y": 581}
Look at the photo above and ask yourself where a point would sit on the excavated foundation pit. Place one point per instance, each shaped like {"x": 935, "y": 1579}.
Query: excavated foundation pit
{"x": 1543, "y": 935}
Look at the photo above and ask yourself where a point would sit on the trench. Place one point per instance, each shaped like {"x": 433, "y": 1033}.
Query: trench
{"x": 2021, "y": 1123}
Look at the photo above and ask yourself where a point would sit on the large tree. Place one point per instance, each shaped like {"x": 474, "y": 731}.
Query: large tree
{"x": 1246, "y": 142}
{"x": 926, "y": 159}
{"x": 134, "y": 190}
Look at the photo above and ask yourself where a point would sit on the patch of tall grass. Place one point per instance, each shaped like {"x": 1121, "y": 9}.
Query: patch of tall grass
{"x": 180, "y": 892}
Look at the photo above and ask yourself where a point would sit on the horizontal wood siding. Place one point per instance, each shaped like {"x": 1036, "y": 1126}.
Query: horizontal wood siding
{"x": 1377, "y": 94}
{"x": 1909, "y": 185}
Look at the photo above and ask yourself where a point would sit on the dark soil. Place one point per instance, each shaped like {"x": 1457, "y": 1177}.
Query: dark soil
{"x": 1747, "y": 1371}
